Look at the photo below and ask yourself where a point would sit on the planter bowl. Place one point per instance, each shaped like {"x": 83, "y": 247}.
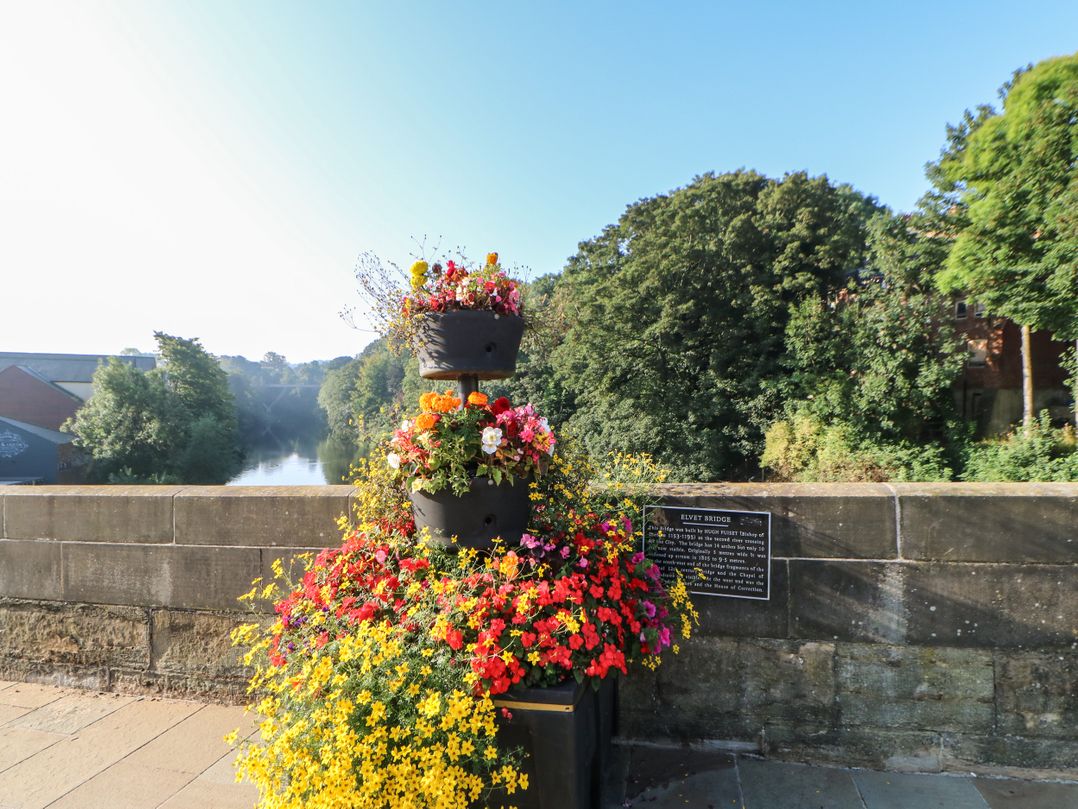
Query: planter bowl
{"x": 486, "y": 511}
{"x": 450, "y": 345}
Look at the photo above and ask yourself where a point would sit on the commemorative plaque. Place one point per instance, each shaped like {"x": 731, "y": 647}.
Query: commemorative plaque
{"x": 719, "y": 553}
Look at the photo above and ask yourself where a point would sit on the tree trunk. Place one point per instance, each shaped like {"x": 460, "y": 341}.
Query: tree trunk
{"x": 1027, "y": 381}
{"x": 1074, "y": 382}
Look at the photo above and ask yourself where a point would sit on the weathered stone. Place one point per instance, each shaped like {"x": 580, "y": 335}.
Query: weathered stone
{"x": 30, "y": 570}
{"x": 1037, "y": 694}
{"x": 292, "y": 516}
{"x": 748, "y": 618}
{"x": 1048, "y": 757}
{"x": 921, "y": 688}
{"x": 90, "y": 513}
{"x": 159, "y": 576}
{"x": 196, "y": 643}
{"x": 992, "y": 605}
{"x": 897, "y": 791}
{"x": 847, "y": 601}
{"x": 74, "y": 633}
{"x": 903, "y": 751}
{"x": 990, "y": 522}
{"x": 789, "y": 682}
{"x": 95, "y": 678}
{"x": 834, "y": 520}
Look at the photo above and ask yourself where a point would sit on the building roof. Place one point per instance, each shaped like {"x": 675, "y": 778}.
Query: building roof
{"x": 53, "y": 436}
{"x": 70, "y": 367}
{"x": 40, "y": 378}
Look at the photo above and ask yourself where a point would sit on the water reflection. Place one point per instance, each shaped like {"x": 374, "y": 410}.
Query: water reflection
{"x": 299, "y": 462}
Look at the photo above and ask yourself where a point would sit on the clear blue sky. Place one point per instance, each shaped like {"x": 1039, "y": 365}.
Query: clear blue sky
{"x": 212, "y": 168}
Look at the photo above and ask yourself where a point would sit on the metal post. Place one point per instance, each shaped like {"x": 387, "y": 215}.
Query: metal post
{"x": 468, "y": 383}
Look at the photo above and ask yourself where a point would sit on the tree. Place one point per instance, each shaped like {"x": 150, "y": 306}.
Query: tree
{"x": 176, "y": 423}
{"x": 1007, "y": 188}
{"x": 677, "y": 314}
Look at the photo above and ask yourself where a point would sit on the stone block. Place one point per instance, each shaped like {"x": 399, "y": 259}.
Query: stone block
{"x": 90, "y": 513}
{"x": 1001, "y": 754}
{"x": 832, "y": 520}
{"x": 990, "y": 522}
{"x": 899, "y": 750}
{"x": 788, "y": 681}
{"x": 78, "y": 634}
{"x": 30, "y": 570}
{"x": 286, "y": 516}
{"x": 916, "y": 688}
{"x": 1037, "y": 693}
{"x": 159, "y": 576}
{"x": 847, "y": 601}
{"x": 748, "y": 618}
{"x": 196, "y": 643}
{"x": 992, "y": 605}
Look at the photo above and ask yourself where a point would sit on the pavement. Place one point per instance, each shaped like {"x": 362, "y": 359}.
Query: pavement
{"x": 71, "y": 749}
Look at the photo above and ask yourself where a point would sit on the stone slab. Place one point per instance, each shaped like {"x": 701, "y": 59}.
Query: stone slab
{"x": 10, "y": 712}
{"x": 980, "y": 522}
{"x": 201, "y": 794}
{"x": 158, "y": 576}
{"x": 915, "y": 688}
{"x": 288, "y": 516}
{"x": 1014, "y": 755}
{"x": 91, "y": 513}
{"x": 72, "y": 712}
{"x": 1027, "y": 795}
{"x": 31, "y": 695}
{"x": 125, "y": 786}
{"x": 74, "y": 633}
{"x": 1007, "y": 606}
{"x": 788, "y": 681}
{"x": 770, "y": 785}
{"x": 877, "y": 748}
{"x": 30, "y": 570}
{"x": 832, "y": 520}
{"x": 196, "y": 743}
{"x": 679, "y": 776}
{"x": 19, "y": 744}
{"x": 36, "y": 782}
{"x": 747, "y": 618}
{"x": 882, "y": 790}
{"x": 847, "y": 601}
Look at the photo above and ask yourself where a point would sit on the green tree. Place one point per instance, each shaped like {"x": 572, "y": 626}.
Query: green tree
{"x": 1007, "y": 187}
{"x": 176, "y": 423}
{"x": 677, "y": 314}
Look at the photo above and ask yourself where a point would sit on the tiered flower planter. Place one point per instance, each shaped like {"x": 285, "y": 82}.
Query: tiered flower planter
{"x": 565, "y": 729}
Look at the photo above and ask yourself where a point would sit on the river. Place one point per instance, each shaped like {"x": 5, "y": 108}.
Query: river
{"x": 295, "y": 463}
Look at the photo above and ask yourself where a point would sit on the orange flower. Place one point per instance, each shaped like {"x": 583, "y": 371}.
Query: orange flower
{"x": 492, "y": 258}
{"x": 443, "y": 404}
{"x": 426, "y": 400}
{"x": 477, "y": 398}
{"x": 424, "y": 421}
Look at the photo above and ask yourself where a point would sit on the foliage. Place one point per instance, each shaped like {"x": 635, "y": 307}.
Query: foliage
{"x": 174, "y": 424}
{"x": 677, "y": 314}
{"x": 450, "y": 442}
{"x": 1010, "y": 181}
{"x": 803, "y": 449}
{"x": 276, "y": 399}
{"x": 1046, "y": 454}
{"x": 376, "y": 679}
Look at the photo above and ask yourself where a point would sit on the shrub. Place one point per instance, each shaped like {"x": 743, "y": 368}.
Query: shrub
{"x": 1046, "y": 454}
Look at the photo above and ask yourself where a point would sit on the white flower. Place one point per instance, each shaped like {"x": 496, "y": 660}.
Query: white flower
{"x": 406, "y": 425}
{"x": 492, "y": 437}
{"x": 394, "y": 460}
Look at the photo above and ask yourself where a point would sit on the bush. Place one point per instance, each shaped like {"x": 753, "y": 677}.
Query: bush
{"x": 802, "y": 449}
{"x": 1046, "y": 454}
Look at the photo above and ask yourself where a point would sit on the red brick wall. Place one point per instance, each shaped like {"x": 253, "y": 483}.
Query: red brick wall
{"x": 24, "y": 397}
{"x": 1003, "y": 368}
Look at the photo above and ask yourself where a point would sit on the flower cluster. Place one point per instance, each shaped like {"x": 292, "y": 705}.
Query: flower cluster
{"x": 451, "y": 441}
{"x": 435, "y": 288}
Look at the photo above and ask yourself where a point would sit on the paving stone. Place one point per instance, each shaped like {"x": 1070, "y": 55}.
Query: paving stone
{"x": 883, "y": 790}
{"x": 200, "y": 794}
{"x": 10, "y": 712}
{"x": 72, "y": 712}
{"x": 1027, "y": 794}
{"x": 196, "y": 743}
{"x": 31, "y": 695}
{"x": 651, "y": 768}
{"x": 19, "y": 744}
{"x": 772, "y": 784}
{"x": 37, "y": 781}
{"x": 125, "y": 786}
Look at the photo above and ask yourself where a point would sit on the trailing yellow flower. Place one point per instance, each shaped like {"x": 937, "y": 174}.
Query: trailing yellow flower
{"x": 419, "y": 274}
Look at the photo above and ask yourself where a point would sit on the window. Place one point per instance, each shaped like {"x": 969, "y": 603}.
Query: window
{"x": 978, "y": 310}
{"x": 978, "y": 352}
{"x": 960, "y": 310}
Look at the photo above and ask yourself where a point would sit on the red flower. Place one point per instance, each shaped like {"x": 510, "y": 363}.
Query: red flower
{"x": 501, "y": 404}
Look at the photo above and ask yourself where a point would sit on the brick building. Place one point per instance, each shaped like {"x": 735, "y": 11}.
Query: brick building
{"x": 990, "y": 390}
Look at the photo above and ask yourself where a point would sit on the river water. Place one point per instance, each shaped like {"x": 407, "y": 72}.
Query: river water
{"x": 295, "y": 463}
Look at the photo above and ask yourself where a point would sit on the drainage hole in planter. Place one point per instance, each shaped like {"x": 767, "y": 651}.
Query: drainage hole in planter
{"x": 490, "y": 519}
{"x": 491, "y": 348}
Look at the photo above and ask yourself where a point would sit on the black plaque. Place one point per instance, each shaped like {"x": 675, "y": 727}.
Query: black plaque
{"x": 719, "y": 553}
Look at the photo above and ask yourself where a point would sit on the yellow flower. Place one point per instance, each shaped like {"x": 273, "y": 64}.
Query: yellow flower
{"x": 419, "y": 274}
{"x": 492, "y": 258}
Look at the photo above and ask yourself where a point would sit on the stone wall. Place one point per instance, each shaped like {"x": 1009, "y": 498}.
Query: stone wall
{"x": 911, "y": 626}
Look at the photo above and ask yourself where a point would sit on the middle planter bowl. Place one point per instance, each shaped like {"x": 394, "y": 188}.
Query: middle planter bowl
{"x": 487, "y": 510}
{"x": 468, "y": 343}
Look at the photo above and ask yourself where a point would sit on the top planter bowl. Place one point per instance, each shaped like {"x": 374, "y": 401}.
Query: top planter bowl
{"x": 481, "y": 344}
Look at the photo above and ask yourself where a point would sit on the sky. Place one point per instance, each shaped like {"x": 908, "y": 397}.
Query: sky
{"x": 213, "y": 169}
